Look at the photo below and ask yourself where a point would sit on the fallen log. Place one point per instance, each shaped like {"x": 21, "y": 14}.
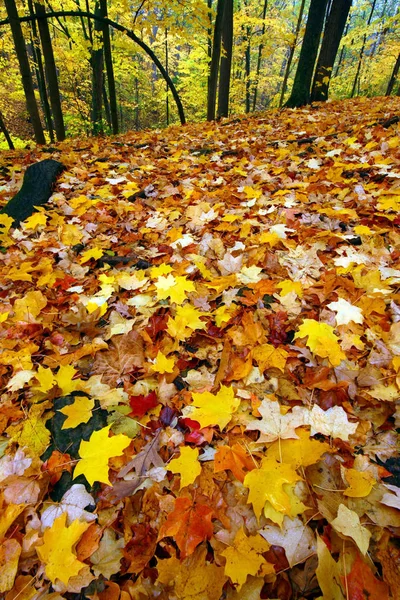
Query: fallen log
{"x": 37, "y": 187}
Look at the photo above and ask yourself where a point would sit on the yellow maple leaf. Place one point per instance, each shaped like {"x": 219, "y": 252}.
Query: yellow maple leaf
{"x": 57, "y": 551}
{"x": 30, "y": 306}
{"x": 175, "y": 288}
{"x": 267, "y": 357}
{"x": 360, "y": 483}
{"x": 36, "y": 220}
{"x": 31, "y": 434}
{"x": 296, "y": 506}
{"x": 266, "y": 483}
{"x": 78, "y": 412}
{"x": 301, "y": 452}
{"x": 213, "y": 409}
{"x": 187, "y": 319}
{"x": 71, "y": 234}
{"x": 187, "y": 464}
{"x": 65, "y": 381}
{"x": 89, "y": 254}
{"x": 223, "y": 314}
{"x": 96, "y": 452}
{"x": 244, "y": 557}
{"x": 163, "y": 364}
{"x": 45, "y": 378}
{"x": 321, "y": 340}
{"x": 287, "y": 286}
{"x": 269, "y": 237}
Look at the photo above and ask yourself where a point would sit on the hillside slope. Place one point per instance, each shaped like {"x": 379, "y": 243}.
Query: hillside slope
{"x": 200, "y": 358}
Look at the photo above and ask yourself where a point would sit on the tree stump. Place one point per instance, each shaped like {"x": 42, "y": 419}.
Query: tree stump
{"x": 37, "y": 187}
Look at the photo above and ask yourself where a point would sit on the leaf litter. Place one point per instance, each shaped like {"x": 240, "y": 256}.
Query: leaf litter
{"x": 200, "y": 357}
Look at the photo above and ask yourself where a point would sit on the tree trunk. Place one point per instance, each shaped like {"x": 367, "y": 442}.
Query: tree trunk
{"x": 166, "y": 68}
{"x": 4, "y": 129}
{"x": 291, "y": 53}
{"x": 209, "y": 43}
{"x": 40, "y": 77}
{"x": 353, "y": 91}
{"x": 247, "y": 68}
{"x": 300, "y": 94}
{"x": 260, "y": 49}
{"x": 214, "y": 67}
{"x": 97, "y": 75}
{"x": 226, "y": 60}
{"x": 330, "y": 45}
{"x": 112, "y": 96}
{"x": 20, "y": 49}
{"x": 393, "y": 76}
{"x": 51, "y": 71}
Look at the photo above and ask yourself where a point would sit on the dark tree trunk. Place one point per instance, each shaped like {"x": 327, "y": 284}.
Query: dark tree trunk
{"x": 356, "y": 78}
{"x": 300, "y": 94}
{"x": 167, "y": 69}
{"x": 51, "y": 71}
{"x": 4, "y": 130}
{"x": 247, "y": 68}
{"x": 109, "y": 70}
{"x": 97, "y": 76}
{"x": 39, "y": 69}
{"x": 393, "y": 77}
{"x": 226, "y": 60}
{"x": 330, "y": 45}
{"x": 214, "y": 67}
{"x": 209, "y": 42}
{"x": 20, "y": 49}
{"x": 36, "y": 189}
{"x": 291, "y": 52}
{"x": 260, "y": 49}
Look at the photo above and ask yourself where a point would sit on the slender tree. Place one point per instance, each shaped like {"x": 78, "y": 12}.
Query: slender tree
{"x": 226, "y": 60}
{"x": 26, "y": 76}
{"x": 360, "y": 57}
{"x": 300, "y": 94}
{"x": 214, "y": 66}
{"x": 393, "y": 77}
{"x": 51, "y": 71}
{"x": 333, "y": 32}
{"x": 259, "y": 56}
{"x": 4, "y": 130}
{"x": 291, "y": 52}
{"x": 109, "y": 70}
{"x": 97, "y": 74}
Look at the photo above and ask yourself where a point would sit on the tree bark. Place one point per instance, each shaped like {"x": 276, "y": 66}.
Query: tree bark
{"x": 214, "y": 67}
{"x": 112, "y": 96}
{"x": 300, "y": 94}
{"x": 330, "y": 45}
{"x": 51, "y": 71}
{"x": 40, "y": 76}
{"x": 97, "y": 75}
{"x": 291, "y": 53}
{"x": 20, "y": 49}
{"x": 393, "y": 77}
{"x": 226, "y": 60}
{"x": 260, "y": 49}
{"x": 4, "y": 130}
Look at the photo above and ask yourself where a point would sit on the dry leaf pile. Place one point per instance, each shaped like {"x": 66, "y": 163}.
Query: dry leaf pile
{"x": 200, "y": 358}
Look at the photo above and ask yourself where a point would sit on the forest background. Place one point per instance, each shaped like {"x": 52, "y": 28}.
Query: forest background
{"x": 184, "y": 60}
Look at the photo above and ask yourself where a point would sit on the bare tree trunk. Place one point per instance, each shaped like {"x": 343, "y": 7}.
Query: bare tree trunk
{"x": 166, "y": 68}
{"x": 214, "y": 67}
{"x": 291, "y": 52}
{"x": 20, "y": 49}
{"x": 109, "y": 70}
{"x": 51, "y": 71}
{"x": 97, "y": 76}
{"x": 353, "y": 91}
{"x": 393, "y": 77}
{"x": 260, "y": 49}
{"x": 39, "y": 69}
{"x": 209, "y": 43}
{"x": 226, "y": 60}
{"x": 334, "y": 28}
{"x": 247, "y": 68}
{"x": 4, "y": 129}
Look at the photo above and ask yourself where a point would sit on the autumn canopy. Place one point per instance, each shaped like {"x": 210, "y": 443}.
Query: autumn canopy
{"x": 200, "y": 362}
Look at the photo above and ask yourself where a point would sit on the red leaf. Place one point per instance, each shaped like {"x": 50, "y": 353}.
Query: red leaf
{"x": 362, "y": 583}
{"x": 141, "y": 404}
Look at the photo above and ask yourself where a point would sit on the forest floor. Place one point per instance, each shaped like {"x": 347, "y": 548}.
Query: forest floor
{"x": 200, "y": 363}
